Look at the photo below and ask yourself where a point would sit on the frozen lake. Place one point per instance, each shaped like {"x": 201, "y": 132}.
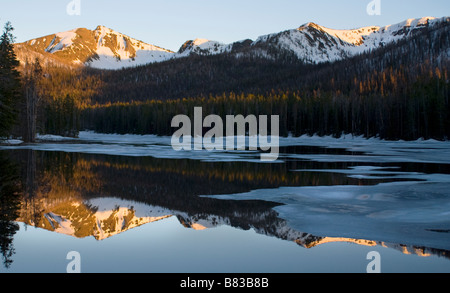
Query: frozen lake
{"x": 130, "y": 203}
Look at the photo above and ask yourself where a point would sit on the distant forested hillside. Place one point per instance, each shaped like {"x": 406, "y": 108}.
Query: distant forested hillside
{"x": 399, "y": 91}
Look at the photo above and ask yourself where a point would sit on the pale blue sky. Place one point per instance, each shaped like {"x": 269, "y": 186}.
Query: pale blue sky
{"x": 170, "y": 23}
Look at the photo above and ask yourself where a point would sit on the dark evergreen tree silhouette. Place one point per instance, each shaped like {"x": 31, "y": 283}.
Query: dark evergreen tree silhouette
{"x": 10, "y": 86}
{"x": 10, "y": 192}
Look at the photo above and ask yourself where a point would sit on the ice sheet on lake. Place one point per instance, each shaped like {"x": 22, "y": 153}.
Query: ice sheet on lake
{"x": 131, "y": 145}
{"x": 374, "y": 150}
{"x": 412, "y": 213}
{"x": 369, "y": 150}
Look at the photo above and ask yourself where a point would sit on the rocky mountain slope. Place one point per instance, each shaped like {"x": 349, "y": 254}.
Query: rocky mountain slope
{"x": 101, "y": 48}
{"x": 104, "y": 48}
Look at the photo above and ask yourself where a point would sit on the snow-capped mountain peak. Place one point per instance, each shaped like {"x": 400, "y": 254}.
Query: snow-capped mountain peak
{"x": 101, "y": 48}
{"x": 312, "y": 43}
{"x": 202, "y": 47}
{"x": 353, "y": 36}
{"x": 116, "y": 50}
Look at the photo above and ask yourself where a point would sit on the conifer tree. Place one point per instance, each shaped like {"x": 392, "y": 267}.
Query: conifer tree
{"x": 10, "y": 86}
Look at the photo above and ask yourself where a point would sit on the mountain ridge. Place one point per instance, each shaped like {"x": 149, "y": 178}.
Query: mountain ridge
{"x": 104, "y": 48}
{"x": 101, "y": 48}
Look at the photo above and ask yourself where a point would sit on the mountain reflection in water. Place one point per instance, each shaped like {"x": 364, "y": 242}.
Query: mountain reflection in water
{"x": 100, "y": 196}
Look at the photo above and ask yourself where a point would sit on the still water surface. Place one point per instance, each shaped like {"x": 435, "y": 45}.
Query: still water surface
{"x": 130, "y": 204}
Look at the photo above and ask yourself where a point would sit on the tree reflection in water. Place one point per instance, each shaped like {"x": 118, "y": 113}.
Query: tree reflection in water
{"x": 10, "y": 195}
{"x": 62, "y": 193}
